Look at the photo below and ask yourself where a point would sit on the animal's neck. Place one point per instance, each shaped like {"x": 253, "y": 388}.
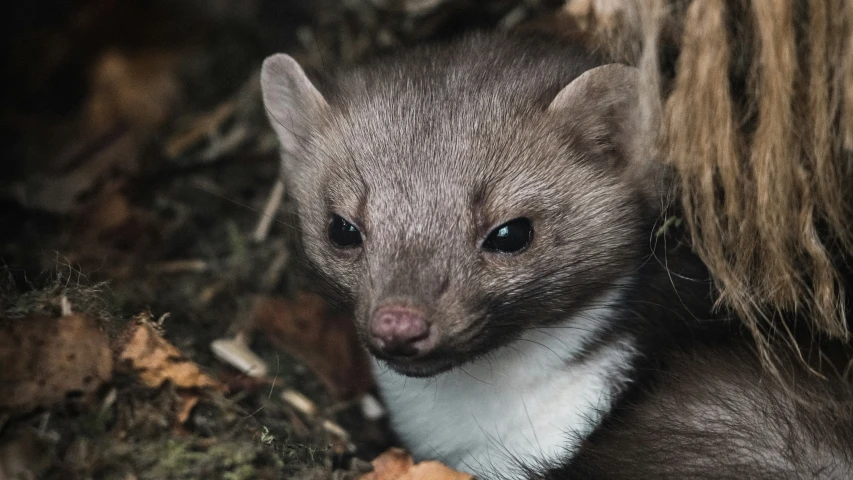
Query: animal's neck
{"x": 531, "y": 402}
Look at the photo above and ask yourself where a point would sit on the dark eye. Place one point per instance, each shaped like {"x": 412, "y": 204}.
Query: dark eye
{"x": 343, "y": 234}
{"x": 510, "y": 237}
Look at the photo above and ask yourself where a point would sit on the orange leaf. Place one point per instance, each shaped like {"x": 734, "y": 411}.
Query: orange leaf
{"x": 433, "y": 470}
{"x": 154, "y": 360}
{"x": 390, "y": 465}
{"x": 397, "y": 464}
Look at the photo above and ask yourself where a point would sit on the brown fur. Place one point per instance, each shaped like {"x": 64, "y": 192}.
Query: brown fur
{"x": 712, "y": 413}
{"x": 845, "y": 85}
{"x": 758, "y": 126}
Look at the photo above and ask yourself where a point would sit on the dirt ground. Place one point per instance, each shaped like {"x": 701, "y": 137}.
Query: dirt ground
{"x": 137, "y": 170}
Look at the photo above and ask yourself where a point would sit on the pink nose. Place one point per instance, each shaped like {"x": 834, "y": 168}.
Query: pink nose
{"x": 398, "y": 330}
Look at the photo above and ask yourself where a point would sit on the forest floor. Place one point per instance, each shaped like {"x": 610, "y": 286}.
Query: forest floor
{"x": 137, "y": 242}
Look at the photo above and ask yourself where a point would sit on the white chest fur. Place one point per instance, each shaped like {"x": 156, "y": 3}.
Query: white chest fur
{"x": 529, "y": 402}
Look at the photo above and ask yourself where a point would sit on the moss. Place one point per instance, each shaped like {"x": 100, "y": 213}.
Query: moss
{"x": 189, "y": 458}
{"x": 44, "y": 296}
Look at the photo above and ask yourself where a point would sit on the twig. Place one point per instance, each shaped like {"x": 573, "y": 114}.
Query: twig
{"x": 299, "y": 402}
{"x": 209, "y": 292}
{"x": 65, "y": 306}
{"x": 203, "y": 127}
{"x": 273, "y": 273}
{"x": 179, "y": 266}
{"x": 269, "y": 212}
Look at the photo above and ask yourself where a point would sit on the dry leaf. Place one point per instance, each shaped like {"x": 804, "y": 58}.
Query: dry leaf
{"x": 141, "y": 350}
{"x": 140, "y": 89}
{"x": 323, "y": 339}
{"x": 390, "y": 465}
{"x": 433, "y": 470}
{"x": 43, "y": 359}
{"x": 154, "y": 360}
{"x": 397, "y": 464}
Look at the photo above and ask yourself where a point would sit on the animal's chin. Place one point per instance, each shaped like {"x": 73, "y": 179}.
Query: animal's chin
{"x": 429, "y": 364}
{"x": 420, "y": 368}
{"x": 447, "y": 355}
{"x": 435, "y": 362}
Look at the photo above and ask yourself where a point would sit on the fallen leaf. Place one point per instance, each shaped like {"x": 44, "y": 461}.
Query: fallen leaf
{"x": 390, "y": 465}
{"x": 433, "y": 470}
{"x": 142, "y": 350}
{"x": 325, "y": 340}
{"x": 44, "y": 359}
{"x": 140, "y": 89}
{"x": 154, "y": 360}
{"x": 397, "y": 464}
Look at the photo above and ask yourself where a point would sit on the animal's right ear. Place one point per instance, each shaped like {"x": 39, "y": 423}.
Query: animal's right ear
{"x": 291, "y": 100}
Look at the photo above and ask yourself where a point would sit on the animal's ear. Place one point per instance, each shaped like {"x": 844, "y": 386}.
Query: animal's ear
{"x": 291, "y": 100}
{"x": 605, "y": 102}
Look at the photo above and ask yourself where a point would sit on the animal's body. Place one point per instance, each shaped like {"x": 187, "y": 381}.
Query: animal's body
{"x": 490, "y": 209}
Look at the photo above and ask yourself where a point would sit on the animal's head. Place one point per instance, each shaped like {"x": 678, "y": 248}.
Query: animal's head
{"x": 459, "y": 205}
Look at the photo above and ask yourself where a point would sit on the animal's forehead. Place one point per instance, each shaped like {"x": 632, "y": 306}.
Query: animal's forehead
{"x": 422, "y": 156}
{"x": 447, "y": 177}
{"x": 412, "y": 125}
{"x": 418, "y": 138}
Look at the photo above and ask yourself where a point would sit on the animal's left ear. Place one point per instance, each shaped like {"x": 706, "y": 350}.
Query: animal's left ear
{"x": 605, "y": 103}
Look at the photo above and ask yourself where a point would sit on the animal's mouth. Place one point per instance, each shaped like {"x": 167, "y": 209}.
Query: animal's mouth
{"x": 419, "y": 367}
{"x": 436, "y": 361}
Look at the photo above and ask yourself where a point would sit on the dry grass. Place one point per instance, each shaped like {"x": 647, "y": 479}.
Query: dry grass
{"x": 757, "y": 123}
